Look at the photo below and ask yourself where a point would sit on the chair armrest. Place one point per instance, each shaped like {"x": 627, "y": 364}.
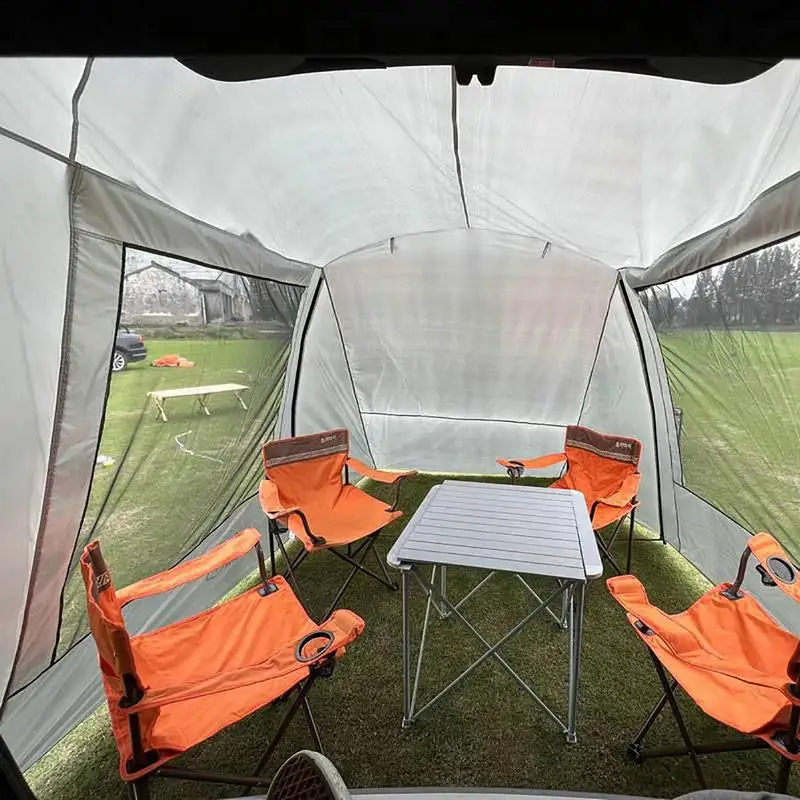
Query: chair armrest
{"x": 380, "y": 475}
{"x": 271, "y": 506}
{"x": 775, "y": 564}
{"x": 521, "y": 464}
{"x": 270, "y": 501}
{"x": 222, "y": 554}
{"x": 625, "y": 494}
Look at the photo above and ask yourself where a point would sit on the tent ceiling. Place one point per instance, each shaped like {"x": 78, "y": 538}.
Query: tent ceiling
{"x": 618, "y": 167}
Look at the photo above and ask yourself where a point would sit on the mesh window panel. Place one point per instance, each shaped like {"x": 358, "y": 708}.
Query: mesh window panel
{"x": 161, "y": 486}
{"x": 730, "y": 337}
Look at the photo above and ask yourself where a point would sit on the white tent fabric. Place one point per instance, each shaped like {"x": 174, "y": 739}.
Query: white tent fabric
{"x": 617, "y": 399}
{"x": 34, "y": 248}
{"x": 471, "y": 338}
{"x": 461, "y": 247}
{"x": 619, "y": 167}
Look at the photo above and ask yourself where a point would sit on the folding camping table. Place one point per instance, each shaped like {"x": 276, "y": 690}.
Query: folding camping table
{"x": 522, "y": 530}
{"x": 200, "y": 392}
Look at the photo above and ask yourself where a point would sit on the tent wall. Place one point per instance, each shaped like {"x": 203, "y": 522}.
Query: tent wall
{"x": 103, "y": 214}
{"x": 666, "y": 435}
{"x": 714, "y": 543}
{"x": 618, "y": 400}
{"x": 325, "y": 393}
{"x": 289, "y": 404}
{"x": 486, "y": 341}
{"x": 34, "y": 248}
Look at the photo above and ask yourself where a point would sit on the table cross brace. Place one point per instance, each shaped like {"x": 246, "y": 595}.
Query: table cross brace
{"x": 492, "y": 650}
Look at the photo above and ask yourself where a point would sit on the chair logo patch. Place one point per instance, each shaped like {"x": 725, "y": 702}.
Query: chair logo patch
{"x": 102, "y": 581}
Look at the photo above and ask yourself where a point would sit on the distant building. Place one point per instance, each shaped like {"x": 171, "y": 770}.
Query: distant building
{"x": 170, "y": 291}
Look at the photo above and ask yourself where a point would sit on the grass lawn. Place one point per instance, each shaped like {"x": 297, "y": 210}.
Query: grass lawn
{"x": 486, "y": 732}
{"x": 157, "y": 501}
{"x": 740, "y": 394}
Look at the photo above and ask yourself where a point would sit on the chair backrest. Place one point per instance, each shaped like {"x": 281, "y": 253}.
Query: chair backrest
{"x": 307, "y": 467}
{"x": 106, "y": 621}
{"x": 597, "y": 462}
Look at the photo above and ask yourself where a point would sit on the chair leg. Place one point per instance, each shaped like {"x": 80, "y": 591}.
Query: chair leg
{"x": 604, "y": 552}
{"x": 299, "y": 701}
{"x": 290, "y": 566}
{"x": 630, "y": 543}
{"x": 615, "y": 532}
{"x": 357, "y": 565}
{"x": 139, "y": 789}
{"x": 634, "y": 748}
{"x": 382, "y": 563}
{"x": 312, "y": 726}
{"x": 673, "y": 704}
{"x": 791, "y": 746}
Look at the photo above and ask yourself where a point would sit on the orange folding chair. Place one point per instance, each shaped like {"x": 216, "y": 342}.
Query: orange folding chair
{"x": 605, "y": 469}
{"x": 172, "y": 688}
{"x": 305, "y": 489}
{"x": 729, "y": 656}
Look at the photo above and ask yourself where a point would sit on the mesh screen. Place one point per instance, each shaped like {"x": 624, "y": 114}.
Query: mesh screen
{"x": 730, "y": 337}
{"x": 162, "y": 485}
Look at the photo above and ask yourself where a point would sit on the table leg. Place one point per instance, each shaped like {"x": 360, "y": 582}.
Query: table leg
{"x": 202, "y": 399}
{"x": 160, "y": 409}
{"x": 238, "y": 396}
{"x": 405, "y": 574}
{"x": 575, "y": 636}
{"x": 440, "y": 606}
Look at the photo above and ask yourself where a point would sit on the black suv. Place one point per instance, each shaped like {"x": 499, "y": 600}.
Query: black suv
{"x": 127, "y": 347}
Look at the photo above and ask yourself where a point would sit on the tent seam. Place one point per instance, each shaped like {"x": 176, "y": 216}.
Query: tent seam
{"x": 349, "y": 370}
{"x": 657, "y": 347}
{"x": 599, "y": 345}
{"x": 456, "y": 151}
{"x": 63, "y": 379}
{"x": 33, "y": 145}
{"x": 675, "y": 272}
{"x": 669, "y": 411}
{"x": 643, "y": 360}
{"x": 465, "y": 419}
{"x": 300, "y": 350}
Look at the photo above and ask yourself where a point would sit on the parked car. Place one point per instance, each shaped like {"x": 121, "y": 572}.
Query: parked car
{"x": 127, "y": 347}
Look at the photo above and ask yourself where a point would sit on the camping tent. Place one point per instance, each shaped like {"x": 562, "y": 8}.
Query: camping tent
{"x": 464, "y": 270}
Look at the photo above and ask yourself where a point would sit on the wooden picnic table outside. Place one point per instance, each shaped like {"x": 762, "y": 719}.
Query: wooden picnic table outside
{"x": 200, "y": 392}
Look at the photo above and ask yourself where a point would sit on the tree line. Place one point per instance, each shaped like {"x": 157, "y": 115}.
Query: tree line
{"x": 760, "y": 290}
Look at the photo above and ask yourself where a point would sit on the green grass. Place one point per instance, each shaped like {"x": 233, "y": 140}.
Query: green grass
{"x": 740, "y": 394}
{"x": 486, "y": 732}
{"x": 157, "y": 501}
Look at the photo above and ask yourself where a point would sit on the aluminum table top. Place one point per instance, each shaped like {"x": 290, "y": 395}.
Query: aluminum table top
{"x": 521, "y": 529}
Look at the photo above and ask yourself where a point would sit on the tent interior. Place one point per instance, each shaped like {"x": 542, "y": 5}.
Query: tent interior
{"x": 452, "y": 273}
